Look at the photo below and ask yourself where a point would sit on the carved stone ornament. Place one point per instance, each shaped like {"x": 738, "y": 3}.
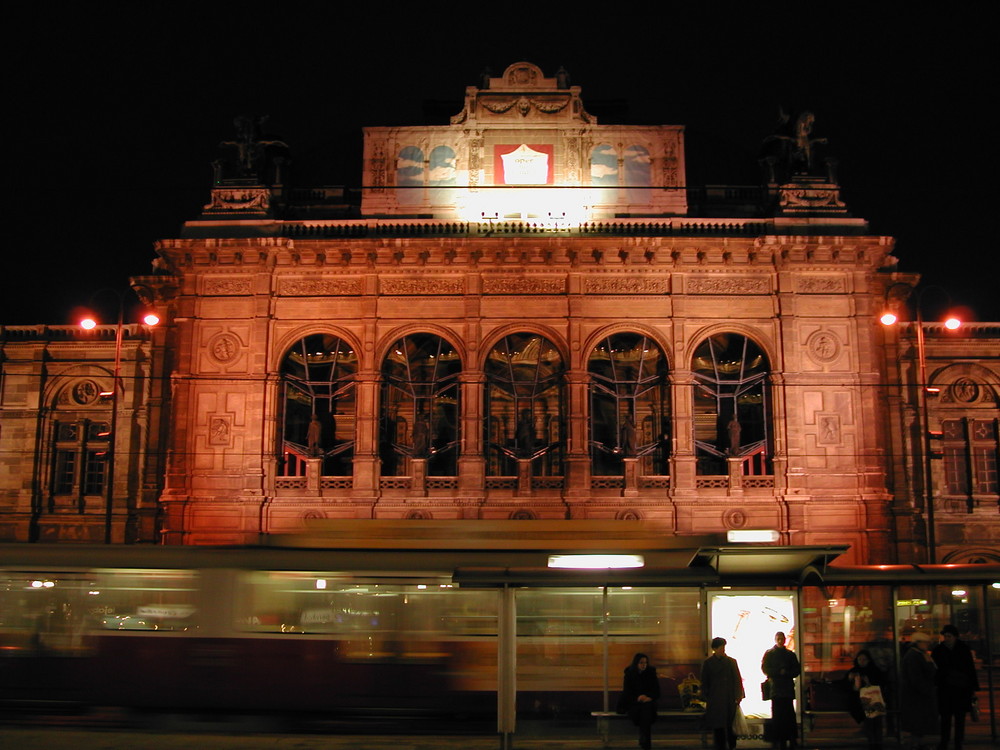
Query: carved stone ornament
{"x": 823, "y": 346}
{"x": 828, "y": 429}
{"x": 84, "y": 392}
{"x": 964, "y": 391}
{"x": 422, "y": 286}
{"x": 522, "y": 285}
{"x": 820, "y": 285}
{"x": 220, "y": 429}
{"x": 729, "y": 285}
{"x": 627, "y": 285}
{"x": 811, "y": 198}
{"x": 224, "y": 347}
{"x": 319, "y": 287}
{"x": 254, "y": 200}
{"x": 228, "y": 287}
{"x": 734, "y": 518}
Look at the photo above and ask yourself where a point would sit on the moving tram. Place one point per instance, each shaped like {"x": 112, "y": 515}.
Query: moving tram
{"x": 461, "y": 624}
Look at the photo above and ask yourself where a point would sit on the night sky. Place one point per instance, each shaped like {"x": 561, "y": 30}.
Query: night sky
{"x": 117, "y": 111}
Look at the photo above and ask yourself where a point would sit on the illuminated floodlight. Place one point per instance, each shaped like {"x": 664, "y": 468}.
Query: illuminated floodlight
{"x": 995, "y": 585}
{"x": 320, "y": 583}
{"x": 88, "y": 324}
{"x": 959, "y": 592}
{"x": 952, "y": 324}
{"x": 151, "y": 319}
{"x": 591, "y": 562}
{"x": 889, "y": 318}
{"x": 752, "y": 536}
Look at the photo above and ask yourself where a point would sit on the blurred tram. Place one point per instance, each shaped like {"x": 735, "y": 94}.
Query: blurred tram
{"x": 227, "y": 629}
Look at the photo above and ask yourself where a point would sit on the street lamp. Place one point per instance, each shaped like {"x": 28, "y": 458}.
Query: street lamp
{"x": 890, "y": 317}
{"x": 89, "y": 323}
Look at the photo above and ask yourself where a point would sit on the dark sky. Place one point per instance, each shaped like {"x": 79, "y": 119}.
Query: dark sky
{"x": 117, "y": 109}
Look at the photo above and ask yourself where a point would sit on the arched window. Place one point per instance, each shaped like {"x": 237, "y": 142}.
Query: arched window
{"x": 732, "y": 410}
{"x": 318, "y": 375}
{"x": 629, "y": 405}
{"x": 410, "y": 176}
{"x": 604, "y": 173}
{"x": 81, "y": 431}
{"x": 420, "y": 406}
{"x": 524, "y": 414}
{"x": 441, "y": 176}
{"x": 638, "y": 174}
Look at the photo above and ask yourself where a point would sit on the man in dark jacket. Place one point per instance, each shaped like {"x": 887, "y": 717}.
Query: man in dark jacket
{"x": 782, "y": 667}
{"x": 956, "y": 684}
{"x": 722, "y": 688}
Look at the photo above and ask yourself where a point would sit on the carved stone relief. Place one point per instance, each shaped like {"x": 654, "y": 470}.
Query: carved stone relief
{"x": 228, "y": 287}
{"x": 823, "y": 346}
{"x": 729, "y": 285}
{"x": 239, "y": 200}
{"x": 220, "y": 429}
{"x": 522, "y": 285}
{"x": 828, "y": 429}
{"x": 319, "y": 287}
{"x": 820, "y": 285}
{"x": 964, "y": 391}
{"x": 627, "y": 285}
{"x": 84, "y": 392}
{"x": 734, "y": 518}
{"x": 224, "y": 347}
{"x": 422, "y": 286}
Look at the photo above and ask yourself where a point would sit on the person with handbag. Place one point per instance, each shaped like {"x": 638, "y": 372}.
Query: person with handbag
{"x": 640, "y": 691}
{"x": 782, "y": 667}
{"x": 722, "y": 688}
{"x": 864, "y": 676}
{"x": 956, "y": 684}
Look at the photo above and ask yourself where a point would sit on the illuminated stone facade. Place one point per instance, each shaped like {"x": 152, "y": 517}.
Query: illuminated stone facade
{"x": 532, "y": 317}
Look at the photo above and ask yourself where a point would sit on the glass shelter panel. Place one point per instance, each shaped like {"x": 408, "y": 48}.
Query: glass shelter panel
{"x": 389, "y": 645}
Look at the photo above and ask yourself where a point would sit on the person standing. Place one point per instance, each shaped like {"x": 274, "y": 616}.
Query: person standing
{"x": 956, "y": 684}
{"x": 782, "y": 667}
{"x": 722, "y": 688}
{"x": 919, "y": 698}
{"x": 640, "y": 691}
{"x": 864, "y": 674}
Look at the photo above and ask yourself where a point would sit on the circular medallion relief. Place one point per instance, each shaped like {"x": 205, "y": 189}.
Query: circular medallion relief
{"x": 85, "y": 392}
{"x": 224, "y": 347}
{"x": 734, "y": 518}
{"x": 629, "y": 515}
{"x": 823, "y": 346}
{"x": 965, "y": 390}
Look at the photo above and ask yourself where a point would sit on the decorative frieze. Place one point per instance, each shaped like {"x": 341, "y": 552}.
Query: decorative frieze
{"x": 820, "y": 285}
{"x": 228, "y": 287}
{"x": 627, "y": 285}
{"x": 729, "y": 285}
{"x": 247, "y": 200}
{"x": 319, "y": 287}
{"x": 421, "y": 286}
{"x": 523, "y": 285}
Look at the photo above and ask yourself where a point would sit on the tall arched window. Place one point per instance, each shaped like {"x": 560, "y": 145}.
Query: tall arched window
{"x": 524, "y": 414}
{"x": 629, "y": 405}
{"x": 318, "y": 375}
{"x": 732, "y": 410}
{"x": 410, "y": 176}
{"x": 638, "y": 174}
{"x": 420, "y": 406}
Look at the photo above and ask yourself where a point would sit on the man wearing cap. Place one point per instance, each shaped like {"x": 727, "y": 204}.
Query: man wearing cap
{"x": 956, "y": 684}
{"x": 919, "y": 700}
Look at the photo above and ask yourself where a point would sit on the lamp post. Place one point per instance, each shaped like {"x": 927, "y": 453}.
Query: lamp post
{"x": 89, "y": 323}
{"x": 925, "y": 390}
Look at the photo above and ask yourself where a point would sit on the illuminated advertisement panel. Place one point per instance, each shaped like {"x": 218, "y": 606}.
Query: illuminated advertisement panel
{"x": 748, "y": 622}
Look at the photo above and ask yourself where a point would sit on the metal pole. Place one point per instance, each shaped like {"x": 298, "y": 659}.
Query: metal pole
{"x": 506, "y": 668}
{"x": 925, "y": 438}
{"x": 112, "y": 456}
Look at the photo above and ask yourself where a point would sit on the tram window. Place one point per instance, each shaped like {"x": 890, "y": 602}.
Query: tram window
{"x": 310, "y": 602}
{"x": 44, "y": 612}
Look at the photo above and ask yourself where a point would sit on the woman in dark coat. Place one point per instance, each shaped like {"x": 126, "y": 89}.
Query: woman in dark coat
{"x": 782, "y": 667}
{"x": 640, "y": 691}
{"x": 864, "y": 674}
{"x": 956, "y": 684}
{"x": 722, "y": 689}
{"x": 919, "y": 698}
